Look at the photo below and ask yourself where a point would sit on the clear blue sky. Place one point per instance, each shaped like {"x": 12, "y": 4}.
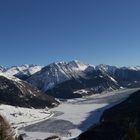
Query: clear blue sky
{"x": 93, "y": 31}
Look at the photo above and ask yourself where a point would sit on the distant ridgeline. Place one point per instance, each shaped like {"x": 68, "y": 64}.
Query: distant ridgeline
{"x": 75, "y": 79}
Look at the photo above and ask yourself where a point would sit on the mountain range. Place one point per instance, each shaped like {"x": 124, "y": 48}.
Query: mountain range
{"x": 22, "y": 72}
{"x": 75, "y": 79}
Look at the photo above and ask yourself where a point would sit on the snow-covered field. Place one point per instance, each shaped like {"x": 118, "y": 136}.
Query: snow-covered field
{"x": 67, "y": 120}
{"x": 19, "y": 117}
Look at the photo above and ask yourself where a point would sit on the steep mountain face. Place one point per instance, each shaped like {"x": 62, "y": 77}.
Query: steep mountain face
{"x": 19, "y": 93}
{"x": 65, "y": 80}
{"x": 57, "y": 73}
{"x": 121, "y": 122}
{"x": 106, "y": 68}
{"x": 23, "y": 72}
{"x": 75, "y": 88}
{"x": 125, "y": 76}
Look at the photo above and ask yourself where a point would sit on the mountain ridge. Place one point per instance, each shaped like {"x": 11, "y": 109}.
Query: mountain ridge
{"x": 56, "y": 78}
{"x": 16, "y": 92}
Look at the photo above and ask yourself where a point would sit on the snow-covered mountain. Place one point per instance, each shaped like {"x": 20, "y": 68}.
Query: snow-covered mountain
{"x": 2, "y": 68}
{"x": 106, "y": 68}
{"x": 72, "y": 77}
{"x": 57, "y": 73}
{"x": 125, "y": 76}
{"x": 68, "y": 77}
{"x": 14, "y": 91}
{"x": 136, "y": 68}
{"x": 23, "y": 71}
{"x": 112, "y": 69}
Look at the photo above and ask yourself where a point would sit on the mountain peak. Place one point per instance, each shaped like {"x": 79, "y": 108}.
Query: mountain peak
{"x": 78, "y": 65}
{"x": 56, "y": 73}
{"x": 73, "y": 65}
{"x": 106, "y": 68}
{"x": 75, "y": 61}
{"x": 2, "y": 68}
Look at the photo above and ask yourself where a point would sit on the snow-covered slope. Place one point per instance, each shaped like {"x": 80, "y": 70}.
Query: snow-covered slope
{"x": 57, "y": 73}
{"x": 112, "y": 69}
{"x": 125, "y": 76}
{"x": 19, "y": 116}
{"x": 22, "y": 71}
{"x": 106, "y": 68}
{"x": 136, "y": 68}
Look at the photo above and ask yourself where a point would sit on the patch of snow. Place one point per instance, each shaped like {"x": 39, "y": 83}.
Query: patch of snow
{"x": 113, "y": 80}
{"x": 10, "y": 77}
{"x": 81, "y": 91}
{"x": 77, "y": 65}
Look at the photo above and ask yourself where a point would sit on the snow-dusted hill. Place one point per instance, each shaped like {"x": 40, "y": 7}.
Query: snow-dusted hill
{"x": 14, "y": 91}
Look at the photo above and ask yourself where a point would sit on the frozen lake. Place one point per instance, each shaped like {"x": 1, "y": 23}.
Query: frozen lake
{"x": 75, "y": 116}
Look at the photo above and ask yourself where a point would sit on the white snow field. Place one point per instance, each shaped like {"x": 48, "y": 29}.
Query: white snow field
{"x": 19, "y": 116}
{"x": 68, "y": 120}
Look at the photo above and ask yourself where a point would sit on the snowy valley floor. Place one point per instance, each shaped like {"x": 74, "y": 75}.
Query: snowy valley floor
{"x": 67, "y": 120}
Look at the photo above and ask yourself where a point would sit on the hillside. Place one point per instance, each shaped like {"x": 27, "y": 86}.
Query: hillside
{"x": 121, "y": 122}
{"x": 19, "y": 93}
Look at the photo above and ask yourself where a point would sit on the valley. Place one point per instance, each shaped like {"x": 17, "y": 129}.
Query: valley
{"x": 69, "y": 70}
{"x": 71, "y": 117}
{"x": 62, "y": 100}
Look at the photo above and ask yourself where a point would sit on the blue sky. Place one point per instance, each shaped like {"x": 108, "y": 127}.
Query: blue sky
{"x": 93, "y": 31}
